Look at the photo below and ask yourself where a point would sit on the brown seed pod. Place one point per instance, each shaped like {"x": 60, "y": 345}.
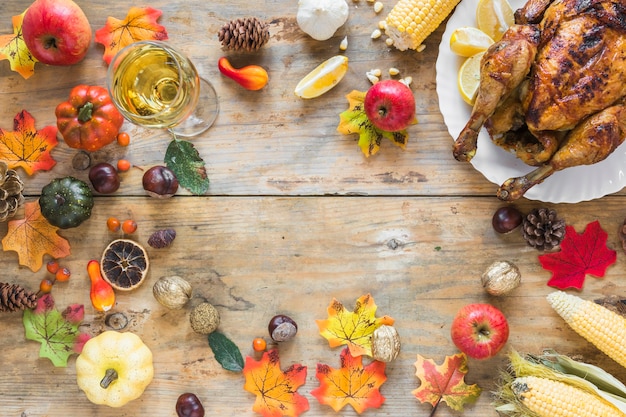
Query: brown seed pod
{"x": 204, "y": 318}
{"x": 162, "y": 238}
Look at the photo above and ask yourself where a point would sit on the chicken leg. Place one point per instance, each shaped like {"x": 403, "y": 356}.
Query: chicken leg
{"x": 590, "y": 142}
{"x": 503, "y": 67}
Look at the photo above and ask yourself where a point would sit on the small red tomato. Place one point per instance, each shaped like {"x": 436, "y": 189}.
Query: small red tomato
{"x": 123, "y": 139}
{"x": 129, "y": 226}
{"x": 259, "y": 344}
{"x": 63, "y": 274}
{"x": 113, "y": 224}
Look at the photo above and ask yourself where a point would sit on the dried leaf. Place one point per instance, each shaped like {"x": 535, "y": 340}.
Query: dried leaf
{"x": 13, "y": 48}
{"x": 354, "y": 120}
{"x": 33, "y": 236}
{"x": 445, "y": 382}
{"x": 58, "y": 335}
{"x": 351, "y": 384}
{"x": 275, "y": 390}
{"x": 140, "y": 24}
{"x": 352, "y": 328}
{"x": 226, "y": 352}
{"x": 26, "y": 146}
{"x": 185, "y": 161}
{"x": 580, "y": 254}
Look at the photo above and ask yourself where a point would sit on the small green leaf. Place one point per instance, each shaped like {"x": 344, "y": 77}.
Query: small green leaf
{"x": 226, "y": 352}
{"x": 183, "y": 158}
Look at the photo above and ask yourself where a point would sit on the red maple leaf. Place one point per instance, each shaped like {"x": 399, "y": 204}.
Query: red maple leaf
{"x": 276, "y": 390}
{"x": 580, "y": 254}
{"x": 351, "y": 384}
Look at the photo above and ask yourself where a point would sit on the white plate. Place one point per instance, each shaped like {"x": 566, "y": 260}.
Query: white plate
{"x": 571, "y": 185}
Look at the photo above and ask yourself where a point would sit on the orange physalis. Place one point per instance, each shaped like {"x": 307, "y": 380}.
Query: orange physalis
{"x": 26, "y": 146}
{"x": 13, "y": 48}
{"x": 352, "y": 328}
{"x": 351, "y": 384}
{"x": 275, "y": 390}
{"x": 445, "y": 382}
{"x": 33, "y": 236}
{"x": 140, "y": 24}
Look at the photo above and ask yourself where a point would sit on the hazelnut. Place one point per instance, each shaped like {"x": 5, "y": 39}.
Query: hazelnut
{"x": 204, "y": 318}
{"x": 172, "y": 292}
{"x": 160, "y": 182}
{"x": 500, "y": 278}
{"x": 282, "y": 328}
{"x": 385, "y": 343}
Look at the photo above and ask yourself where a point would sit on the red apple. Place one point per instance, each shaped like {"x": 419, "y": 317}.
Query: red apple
{"x": 390, "y": 105}
{"x": 56, "y": 32}
{"x": 479, "y": 330}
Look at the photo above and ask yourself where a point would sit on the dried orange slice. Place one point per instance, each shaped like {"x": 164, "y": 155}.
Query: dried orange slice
{"x": 324, "y": 77}
{"x": 124, "y": 264}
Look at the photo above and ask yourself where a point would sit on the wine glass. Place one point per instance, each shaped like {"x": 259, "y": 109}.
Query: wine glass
{"x": 155, "y": 85}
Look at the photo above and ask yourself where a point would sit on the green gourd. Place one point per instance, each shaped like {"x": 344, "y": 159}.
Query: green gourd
{"x": 66, "y": 202}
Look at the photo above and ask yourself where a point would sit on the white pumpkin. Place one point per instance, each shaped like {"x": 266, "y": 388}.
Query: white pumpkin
{"x": 320, "y": 19}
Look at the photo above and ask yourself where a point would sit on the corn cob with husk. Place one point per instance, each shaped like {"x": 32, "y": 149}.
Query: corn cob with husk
{"x": 603, "y": 328}
{"x": 541, "y": 387}
{"x": 410, "y": 22}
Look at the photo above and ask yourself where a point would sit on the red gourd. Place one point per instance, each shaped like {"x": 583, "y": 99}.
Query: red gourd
{"x": 102, "y": 294}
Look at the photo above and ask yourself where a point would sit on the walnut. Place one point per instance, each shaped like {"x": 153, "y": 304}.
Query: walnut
{"x": 385, "y": 343}
{"x": 172, "y": 292}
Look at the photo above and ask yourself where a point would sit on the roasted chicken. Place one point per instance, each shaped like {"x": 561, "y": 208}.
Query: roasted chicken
{"x": 552, "y": 89}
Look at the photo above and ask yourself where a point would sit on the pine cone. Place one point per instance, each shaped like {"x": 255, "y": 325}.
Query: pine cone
{"x": 542, "y": 229}
{"x": 248, "y": 34}
{"x": 11, "y": 187}
{"x": 13, "y": 298}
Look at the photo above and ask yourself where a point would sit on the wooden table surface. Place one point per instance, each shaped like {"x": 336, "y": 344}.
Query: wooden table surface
{"x": 295, "y": 216}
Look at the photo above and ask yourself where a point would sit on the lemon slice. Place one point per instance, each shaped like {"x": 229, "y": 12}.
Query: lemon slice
{"x": 323, "y": 78}
{"x": 494, "y": 17}
{"x": 469, "y": 77}
{"x": 468, "y": 41}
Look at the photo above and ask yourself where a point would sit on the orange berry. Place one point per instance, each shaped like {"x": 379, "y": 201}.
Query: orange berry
{"x": 129, "y": 226}
{"x": 52, "y": 267}
{"x": 123, "y": 165}
{"x": 123, "y": 139}
{"x": 63, "y": 275}
{"x": 45, "y": 286}
{"x": 113, "y": 224}
{"x": 259, "y": 344}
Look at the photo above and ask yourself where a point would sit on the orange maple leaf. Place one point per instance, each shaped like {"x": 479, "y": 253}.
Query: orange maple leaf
{"x": 33, "y": 236}
{"x": 352, "y": 328}
{"x": 140, "y": 24}
{"x": 13, "y": 48}
{"x": 276, "y": 390}
{"x": 445, "y": 382}
{"x": 351, "y": 384}
{"x": 26, "y": 146}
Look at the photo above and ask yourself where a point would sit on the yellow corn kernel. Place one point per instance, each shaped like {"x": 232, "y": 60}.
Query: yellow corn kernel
{"x": 376, "y": 34}
{"x": 549, "y": 398}
{"x": 599, "y": 325}
{"x": 411, "y": 21}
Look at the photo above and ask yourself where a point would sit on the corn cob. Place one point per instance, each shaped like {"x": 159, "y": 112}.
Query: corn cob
{"x": 411, "y": 21}
{"x": 600, "y": 326}
{"x": 548, "y": 398}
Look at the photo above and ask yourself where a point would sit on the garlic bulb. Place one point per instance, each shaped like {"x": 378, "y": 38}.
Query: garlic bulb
{"x": 320, "y": 19}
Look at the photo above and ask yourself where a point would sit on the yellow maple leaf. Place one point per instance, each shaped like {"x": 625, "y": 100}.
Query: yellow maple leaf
{"x": 13, "y": 48}
{"x": 33, "y": 236}
{"x": 352, "y": 328}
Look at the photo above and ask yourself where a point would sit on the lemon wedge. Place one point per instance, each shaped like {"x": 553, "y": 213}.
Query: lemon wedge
{"x": 494, "y": 17}
{"x": 469, "y": 78}
{"x": 324, "y": 77}
{"x": 467, "y": 41}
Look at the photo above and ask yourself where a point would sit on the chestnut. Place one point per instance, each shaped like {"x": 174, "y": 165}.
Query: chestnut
{"x": 188, "y": 405}
{"x": 160, "y": 181}
{"x": 104, "y": 178}
{"x": 282, "y": 328}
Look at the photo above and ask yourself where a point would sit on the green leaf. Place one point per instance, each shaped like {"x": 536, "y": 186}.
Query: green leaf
{"x": 183, "y": 158}
{"x": 226, "y": 352}
{"x": 57, "y": 335}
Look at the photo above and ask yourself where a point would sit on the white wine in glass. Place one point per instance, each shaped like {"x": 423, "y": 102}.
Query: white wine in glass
{"x": 155, "y": 85}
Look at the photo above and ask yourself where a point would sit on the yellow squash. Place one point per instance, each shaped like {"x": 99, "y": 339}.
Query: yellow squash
{"x": 114, "y": 368}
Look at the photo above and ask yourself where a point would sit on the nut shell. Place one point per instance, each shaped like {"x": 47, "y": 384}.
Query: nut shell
{"x": 172, "y": 292}
{"x": 385, "y": 343}
{"x": 204, "y": 318}
{"x": 501, "y": 277}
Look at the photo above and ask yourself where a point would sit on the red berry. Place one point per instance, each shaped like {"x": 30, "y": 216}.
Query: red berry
{"x": 113, "y": 224}
{"x": 129, "y": 226}
{"x": 52, "y": 267}
{"x": 259, "y": 344}
{"x": 123, "y": 139}
{"x": 123, "y": 165}
{"x": 45, "y": 286}
{"x": 63, "y": 275}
